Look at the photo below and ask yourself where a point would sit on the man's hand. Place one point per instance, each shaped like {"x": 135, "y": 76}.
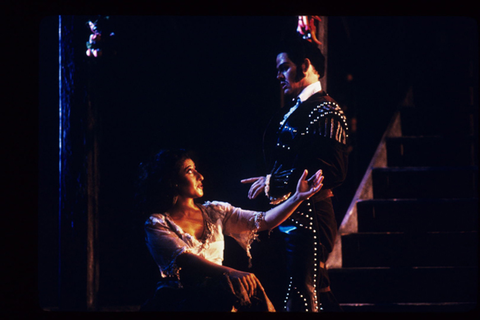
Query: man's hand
{"x": 256, "y": 188}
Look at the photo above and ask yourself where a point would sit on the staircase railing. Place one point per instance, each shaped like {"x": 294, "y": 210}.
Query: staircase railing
{"x": 364, "y": 191}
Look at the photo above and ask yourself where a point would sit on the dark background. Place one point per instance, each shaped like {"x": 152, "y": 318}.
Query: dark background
{"x": 208, "y": 83}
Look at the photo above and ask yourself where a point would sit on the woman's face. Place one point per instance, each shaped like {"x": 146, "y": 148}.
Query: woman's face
{"x": 190, "y": 180}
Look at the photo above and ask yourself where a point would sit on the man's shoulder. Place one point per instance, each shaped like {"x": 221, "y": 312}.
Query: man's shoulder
{"x": 322, "y": 101}
{"x": 319, "y": 98}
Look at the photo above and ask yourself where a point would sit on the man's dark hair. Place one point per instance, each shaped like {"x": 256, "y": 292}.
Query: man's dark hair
{"x": 298, "y": 49}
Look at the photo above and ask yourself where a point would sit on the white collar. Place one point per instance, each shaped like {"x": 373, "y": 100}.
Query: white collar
{"x": 306, "y": 93}
{"x": 309, "y": 91}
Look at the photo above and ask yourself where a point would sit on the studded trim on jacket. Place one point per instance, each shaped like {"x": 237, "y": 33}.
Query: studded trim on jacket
{"x": 304, "y": 140}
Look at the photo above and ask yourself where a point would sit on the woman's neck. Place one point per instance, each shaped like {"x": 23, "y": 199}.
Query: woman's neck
{"x": 184, "y": 208}
{"x": 189, "y": 217}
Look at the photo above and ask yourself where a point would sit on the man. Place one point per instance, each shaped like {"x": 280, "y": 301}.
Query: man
{"x": 312, "y": 134}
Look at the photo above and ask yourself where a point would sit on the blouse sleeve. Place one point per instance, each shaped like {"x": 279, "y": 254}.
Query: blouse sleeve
{"x": 164, "y": 244}
{"x": 240, "y": 224}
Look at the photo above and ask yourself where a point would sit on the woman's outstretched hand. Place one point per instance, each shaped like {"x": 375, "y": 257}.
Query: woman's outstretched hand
{"x": 307, "y": 188}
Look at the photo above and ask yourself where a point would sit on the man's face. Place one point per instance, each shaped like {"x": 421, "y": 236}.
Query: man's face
{"x": 288, "y": 76}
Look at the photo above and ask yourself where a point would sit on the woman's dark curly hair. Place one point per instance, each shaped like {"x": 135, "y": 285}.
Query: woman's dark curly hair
{"x": 155, "y": 186}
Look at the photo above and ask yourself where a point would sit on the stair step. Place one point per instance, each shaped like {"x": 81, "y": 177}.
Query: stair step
{"x": 417, "y": 215}
{"x": 424, "y": 182}
{"x": 390, "y": 249}
{"x": 405, "y": 285}
{"x": 430, "y": 151}
{"x": 456, "y": 122}
{"x": 441, "y": 307}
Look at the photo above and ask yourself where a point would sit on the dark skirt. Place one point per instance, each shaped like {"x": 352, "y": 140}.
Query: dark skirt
{"x": 210, "y": 294}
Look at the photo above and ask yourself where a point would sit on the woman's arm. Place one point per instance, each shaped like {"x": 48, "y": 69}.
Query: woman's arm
{"x": 305, "y": 189}
{"x": 245, "y": 283}
{"x": 190, "y": 262}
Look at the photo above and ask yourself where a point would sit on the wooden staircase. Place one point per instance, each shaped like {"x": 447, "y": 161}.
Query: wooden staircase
{"x": 409, "y": 239}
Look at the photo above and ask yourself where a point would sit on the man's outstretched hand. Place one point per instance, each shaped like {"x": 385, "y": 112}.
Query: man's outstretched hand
{"x": 256, "y": 188}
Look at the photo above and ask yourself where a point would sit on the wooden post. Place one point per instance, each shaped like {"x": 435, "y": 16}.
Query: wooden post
{"x": 72, "y": 175}
{"x": 322, "y": 36}
{"x": 78, "y": 173}
{"x": 92, "y": 210}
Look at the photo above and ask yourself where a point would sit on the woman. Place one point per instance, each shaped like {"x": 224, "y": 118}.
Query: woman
{"x": 186, "y": 239}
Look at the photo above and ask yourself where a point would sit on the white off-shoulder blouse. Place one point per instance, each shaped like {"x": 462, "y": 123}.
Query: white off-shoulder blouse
{"x": 166, "y": 240}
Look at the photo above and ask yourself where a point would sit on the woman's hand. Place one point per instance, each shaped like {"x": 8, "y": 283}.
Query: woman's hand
{"x": 245, "y": 284}
{"x": 307, "y": 188}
